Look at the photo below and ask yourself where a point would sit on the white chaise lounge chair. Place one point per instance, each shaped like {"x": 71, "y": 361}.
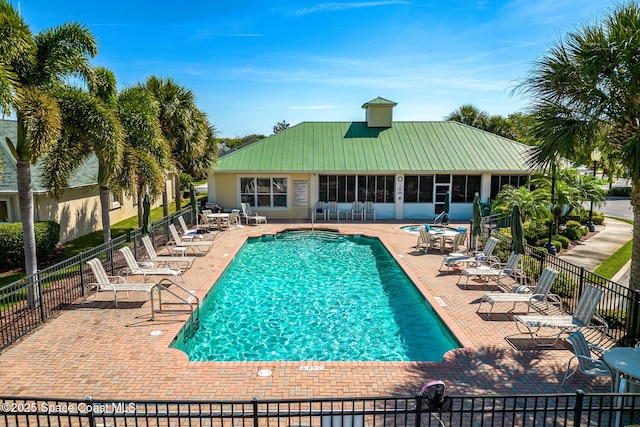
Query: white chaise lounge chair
{"x": 581, "y": 318}
{"x": 484, "y": 257}
{"x": 135, "y": 268}
{"x": 249, "y": 216}
{"x": 495, "y": 271}
{"x": 540, "y": 294}
{"x": 188, "y": 233}
{"x": 116, "y": 283}
{"x": 161, "y": 260}
{"x": 202, "y": 246}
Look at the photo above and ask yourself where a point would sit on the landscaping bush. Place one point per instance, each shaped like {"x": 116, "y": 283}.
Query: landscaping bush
{"x": 620, "y": 192}
{"x": 12, "y": 244}
{"x": 564, "y": 286}
{"x": 534, "y": 231}
{"x": 616, "y": 319}
{"x": 598, "y": 218}
{"x": 564, "y": 241}
{"x": 557, "y": 244}
{"x": 574, "y": 230}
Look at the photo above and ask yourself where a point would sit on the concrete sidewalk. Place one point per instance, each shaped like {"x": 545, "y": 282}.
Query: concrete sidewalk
{"x": 592, "y": 252}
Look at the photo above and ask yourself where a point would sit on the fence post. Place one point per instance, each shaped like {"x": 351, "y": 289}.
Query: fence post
{"x": 89, "y": 405}
{"x": 577, "y": 412}
{"x": 634, "y": 332}
{"x": 581, "y": 284}
{"x": 254, "y": 403}
{"x": 40, "y": 296}
{"x": 418, "y": 409}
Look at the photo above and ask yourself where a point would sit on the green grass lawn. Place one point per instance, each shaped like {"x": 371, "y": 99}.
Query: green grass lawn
{"x": 91, "y": 240}
{"x": 615, "y": 262}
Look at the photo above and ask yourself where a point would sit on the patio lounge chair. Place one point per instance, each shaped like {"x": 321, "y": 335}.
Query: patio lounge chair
{"x": 161, "y": 260}
{"x": 188, "y": 233}
{"x": 485, "y": 257}
{"x": 357, "y": 211}
{"x": 115, "y": 283}
{"x": 134, "y": 267}
{"x": 427, "y": 240}
{"x": 495, "y": 271}
{"x": 257, "y": 219}
{"x": 332, "y": 211}
{"x": 581, "y": 318}
{"x": 586, "y": 363}
{"x": 201, "y": 246}
{"x": 369, "y": 211}
{"x": 540, "y": 294}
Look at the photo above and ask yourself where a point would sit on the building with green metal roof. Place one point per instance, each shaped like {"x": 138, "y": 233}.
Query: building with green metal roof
{"x": 404, "y": 168}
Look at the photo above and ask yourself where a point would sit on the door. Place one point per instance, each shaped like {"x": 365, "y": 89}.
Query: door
{"x": 441, "y": 193}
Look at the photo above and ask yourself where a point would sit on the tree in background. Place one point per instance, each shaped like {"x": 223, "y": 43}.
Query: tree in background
{"x": 183, "y": 125}
{"x": 280, "y": 126}
{"x": 472, "y": 116}
{"x": 588, "y": 81}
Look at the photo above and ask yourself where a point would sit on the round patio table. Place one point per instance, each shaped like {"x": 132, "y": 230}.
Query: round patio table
{"x": 623, "y": 361}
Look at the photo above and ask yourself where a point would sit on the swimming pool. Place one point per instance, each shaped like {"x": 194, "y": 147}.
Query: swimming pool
{"x": 316, "y": 296}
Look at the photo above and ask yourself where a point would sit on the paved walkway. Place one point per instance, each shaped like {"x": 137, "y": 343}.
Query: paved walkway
{"x": 117, "y": 353}
{"x": 592, "y": 252}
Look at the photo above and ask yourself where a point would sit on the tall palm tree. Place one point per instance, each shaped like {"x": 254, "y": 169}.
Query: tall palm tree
{"x": 15, "y": 40}
{"x": 588, "y": 81}
{"x": 53, "y": 55}
{"x": 184, "y": 126}
{"x": 147, "y": 154}
{"x": 90, "y": 127}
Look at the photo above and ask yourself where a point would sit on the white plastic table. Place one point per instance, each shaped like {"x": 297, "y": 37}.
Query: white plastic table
{"x": 443, "y": 235}
{"x": 623, "y": 360}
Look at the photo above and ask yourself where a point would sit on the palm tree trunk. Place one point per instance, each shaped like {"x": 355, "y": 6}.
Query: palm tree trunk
{"x": 634, "y": 273}
{"x": 25, "y": 198}
{"x": 165, "y": 202}
{"x": 178, "y": 193}
{"x": 106, "y": 218}
{"x": 140, "y": 207}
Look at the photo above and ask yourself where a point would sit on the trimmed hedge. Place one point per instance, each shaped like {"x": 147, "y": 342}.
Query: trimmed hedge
{"x": 12, "y": 244}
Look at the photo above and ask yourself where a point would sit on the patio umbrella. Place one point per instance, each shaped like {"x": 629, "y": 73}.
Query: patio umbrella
{"x": 194, "y": 203}
{"x": 516, "y": 230}
{"x": 445, "y": 211}
{"x": 476, "y": 230}
{"x": 146, "y": 214}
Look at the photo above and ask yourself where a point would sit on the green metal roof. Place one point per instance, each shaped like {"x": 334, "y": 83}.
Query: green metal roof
{"x": 87, "y": 174}
{"x": 379, "y": 101}
{"x": 405, "y": 147}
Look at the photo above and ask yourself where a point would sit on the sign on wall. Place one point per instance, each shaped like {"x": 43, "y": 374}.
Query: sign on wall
{"x": 300, "y": 192}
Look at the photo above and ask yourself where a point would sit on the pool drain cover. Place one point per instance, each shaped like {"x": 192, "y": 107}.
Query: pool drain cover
{"x": 265, "y": 372}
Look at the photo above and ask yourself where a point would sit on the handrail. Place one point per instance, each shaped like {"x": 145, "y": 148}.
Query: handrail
{"x": 194, "y": 318}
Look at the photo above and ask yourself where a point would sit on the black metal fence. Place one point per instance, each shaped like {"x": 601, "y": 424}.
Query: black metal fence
{"x": 579, "y": 409}
{"x": 619, "y": 307}
{"x": 57, "y": 287}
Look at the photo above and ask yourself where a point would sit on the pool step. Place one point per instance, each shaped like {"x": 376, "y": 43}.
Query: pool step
{"x": 318, "y": 234}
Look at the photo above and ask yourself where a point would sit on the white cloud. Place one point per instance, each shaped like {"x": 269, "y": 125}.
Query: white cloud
{"x": 312, "y": 107}
{"x": 337, "y": 7}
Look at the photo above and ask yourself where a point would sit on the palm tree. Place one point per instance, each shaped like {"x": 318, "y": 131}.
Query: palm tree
{"x": 147, "y": 154}
{"x": 183, "y": 125}
{"x": 90, "y": 127}
{"x": 533, "y": 204}
{"x": 469, "y": 115}
{"x": 586, "y": 82}
{"x": 53, "y": 55}
{"x": 15, "y": 40}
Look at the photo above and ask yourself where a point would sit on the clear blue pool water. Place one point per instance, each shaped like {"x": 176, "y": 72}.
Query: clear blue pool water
{"x": 318, "y": 297}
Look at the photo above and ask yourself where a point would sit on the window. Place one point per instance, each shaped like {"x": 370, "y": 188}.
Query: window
{"x": 499, "y": 181}
{"x": 464, "y": 188}
{"x": 418, "y": 189}
{"x": 264, "y": 192}
{"x": 350, "y": 188}
{"x": 4, "y": 211}
{"x": 115, "y": 200}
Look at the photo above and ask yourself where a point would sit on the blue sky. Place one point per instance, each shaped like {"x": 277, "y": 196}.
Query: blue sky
{"x": 255, "y": 63}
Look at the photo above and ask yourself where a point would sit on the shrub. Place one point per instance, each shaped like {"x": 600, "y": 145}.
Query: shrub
{"x": 563, "y": 240}
{"x": 616, "y": 319}
{"x": 557, "y": 244}
{"x": 534, "y": 231}
{"x": 620, "y": 191}
{"x": 564, "y": 286}
{"x": 597, "y": 218}
{"x": 12, "y": 244}
{"x": 573, "y": 230}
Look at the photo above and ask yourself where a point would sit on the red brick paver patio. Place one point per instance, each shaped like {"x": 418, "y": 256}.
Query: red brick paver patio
{"x": 109, "y": 352}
